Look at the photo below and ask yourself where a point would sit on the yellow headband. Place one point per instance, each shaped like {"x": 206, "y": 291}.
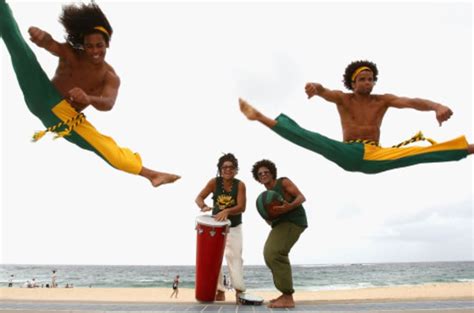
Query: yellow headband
{"x": 102, "y": 29}
{"x": 360, "y": 69}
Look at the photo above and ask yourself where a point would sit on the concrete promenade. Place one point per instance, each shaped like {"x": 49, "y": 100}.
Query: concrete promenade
{"x": 443, "y": 306}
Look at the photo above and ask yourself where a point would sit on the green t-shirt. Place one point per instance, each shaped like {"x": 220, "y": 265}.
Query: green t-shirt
{"x": 223, "y": 200}
{"x": 296, "y": 216}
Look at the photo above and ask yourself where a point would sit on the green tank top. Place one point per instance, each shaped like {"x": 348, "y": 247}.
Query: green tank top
{"x": 296, "y": 216}
{"x": 223, "y": 199}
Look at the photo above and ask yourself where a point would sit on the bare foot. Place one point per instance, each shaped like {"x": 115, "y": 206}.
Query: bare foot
{"x": 249, "y": 111}
{"x": 284, "y": 301}
{"x": 273, "y": 300}
{"x": 220, "y": 295}
{"x": 163, "y": 178}
{"x": 158, "y": 178}
{"x": 470, "y": 149}
{"x": 237, "y": 296}
{"x": 254, "y": 115}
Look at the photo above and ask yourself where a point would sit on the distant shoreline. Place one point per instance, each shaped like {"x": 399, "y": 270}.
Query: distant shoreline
{"x": 439, "y": 291}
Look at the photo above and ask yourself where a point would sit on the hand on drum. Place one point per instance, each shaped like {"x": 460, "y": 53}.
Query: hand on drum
{"x": 222, "y": 215}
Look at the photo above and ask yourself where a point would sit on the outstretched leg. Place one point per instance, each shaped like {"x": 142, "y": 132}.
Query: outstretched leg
{"x": 252, "y": 114}
{"x": 158, "y": 178}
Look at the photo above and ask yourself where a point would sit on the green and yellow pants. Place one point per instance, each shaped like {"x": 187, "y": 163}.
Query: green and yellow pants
{"x": 367, "y": 158}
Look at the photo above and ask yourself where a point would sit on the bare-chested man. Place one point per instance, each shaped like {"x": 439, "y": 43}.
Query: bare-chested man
{"x": 361, "y": 116}
{"x": 82, "y": 79}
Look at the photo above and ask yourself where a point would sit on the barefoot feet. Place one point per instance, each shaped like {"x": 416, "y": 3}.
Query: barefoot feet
{"x": 249, "y": 111}
{"x": 158, "y": 178}
{"x": 284, "y": 301}
{"x": 220, "y": 295}
{"x": 254, "y": 115}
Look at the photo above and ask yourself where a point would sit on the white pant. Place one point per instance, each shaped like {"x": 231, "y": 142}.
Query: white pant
{"x": 233, "y": 257}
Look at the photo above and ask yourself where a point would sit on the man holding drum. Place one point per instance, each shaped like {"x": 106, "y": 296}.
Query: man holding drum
{"x": 286, "y": 230}
{"x": 229, "y": 200}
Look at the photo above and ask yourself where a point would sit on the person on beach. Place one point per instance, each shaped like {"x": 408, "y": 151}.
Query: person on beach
{"x": 286, "y": 230}
{"x": 175, "y": 287}
{"x": 82, "y": 79}
{"x": 361, "y": 114}
{"x": 229, "y": 196}
{"x": 10, "y": 280}
{"x": 53, "y": 279}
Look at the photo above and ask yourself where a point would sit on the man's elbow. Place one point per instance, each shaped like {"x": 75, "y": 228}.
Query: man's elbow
{"x": 105, "y": 107}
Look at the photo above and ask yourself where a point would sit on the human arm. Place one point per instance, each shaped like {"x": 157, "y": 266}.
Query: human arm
{"x": 105, "y": 101}
{"x": 316, "y": 89}
{"x": 206, "y": 191}
{"x": 292, "y": 190}
{"x": 443, "y": 113}
{"x": 236, "y": 209}
{"x": 45, "y": 40}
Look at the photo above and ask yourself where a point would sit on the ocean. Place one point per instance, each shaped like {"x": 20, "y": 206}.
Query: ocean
{"x": 257, "y": 277}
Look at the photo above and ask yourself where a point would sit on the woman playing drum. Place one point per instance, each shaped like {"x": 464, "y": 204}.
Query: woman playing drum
{"x": 229, "y": 200}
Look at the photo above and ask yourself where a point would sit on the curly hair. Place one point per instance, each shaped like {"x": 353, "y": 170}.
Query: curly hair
{"x": 227, "y": 157}
{"x": 84, "y": 19}
{"x": 264, "y": 163}
{"x": 351, "y": 68}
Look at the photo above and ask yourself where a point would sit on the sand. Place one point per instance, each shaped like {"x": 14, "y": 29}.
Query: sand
{"x": 439, "y": 291}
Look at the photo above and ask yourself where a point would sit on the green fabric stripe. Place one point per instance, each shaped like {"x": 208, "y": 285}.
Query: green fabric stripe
{"x": 347, "y": 156}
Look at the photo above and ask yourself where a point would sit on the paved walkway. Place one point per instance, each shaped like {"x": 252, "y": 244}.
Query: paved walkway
{"x": 459, "y": 306}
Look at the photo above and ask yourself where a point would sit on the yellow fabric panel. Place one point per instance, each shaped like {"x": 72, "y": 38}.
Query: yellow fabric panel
{"x": 374, "y": 153}
{"x": 121, "y": 158}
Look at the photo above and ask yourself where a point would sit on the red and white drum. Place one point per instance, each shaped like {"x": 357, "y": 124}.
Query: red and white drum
{"x": 211, "y": 237}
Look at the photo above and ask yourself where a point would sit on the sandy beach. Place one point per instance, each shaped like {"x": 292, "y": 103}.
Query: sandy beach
{"x": 186, "y": 295}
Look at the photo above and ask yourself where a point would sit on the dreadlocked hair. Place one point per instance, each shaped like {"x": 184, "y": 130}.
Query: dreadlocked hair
{"x": 81, "y": 20}
{"x": 350, "y": 69}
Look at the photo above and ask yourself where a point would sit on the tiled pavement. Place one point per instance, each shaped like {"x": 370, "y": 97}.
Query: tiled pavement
{"x": 76, "y": 307}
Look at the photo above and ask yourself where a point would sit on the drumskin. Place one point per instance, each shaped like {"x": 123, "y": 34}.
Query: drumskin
{"x": 365, "y": 158}
{"x": 45, "y": 102}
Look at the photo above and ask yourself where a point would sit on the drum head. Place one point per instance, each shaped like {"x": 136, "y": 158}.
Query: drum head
{"x": 208, "y": 220}
{"x": 248, "y": 299}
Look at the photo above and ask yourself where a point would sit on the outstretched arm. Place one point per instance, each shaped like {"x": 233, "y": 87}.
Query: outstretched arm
{"x": 45, "y": 40}
{"x": 443, "y": 113}
{"x": 316, "y": 89}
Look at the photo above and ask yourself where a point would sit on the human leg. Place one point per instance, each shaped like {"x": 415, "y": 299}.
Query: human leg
{"x": 235, "y": 262}
{"x": 277, "y": 247}
{"x": 39, "y": 93}
{"x": 254, "y": 115}
{"x": 378, "y": 159}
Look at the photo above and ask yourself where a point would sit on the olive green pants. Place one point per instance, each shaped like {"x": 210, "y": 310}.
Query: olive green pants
{"x": 277, "y": 247}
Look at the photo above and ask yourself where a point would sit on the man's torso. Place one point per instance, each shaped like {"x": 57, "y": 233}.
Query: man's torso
{"x": 361, "y": 119}
{"x": 79, "y": 73}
